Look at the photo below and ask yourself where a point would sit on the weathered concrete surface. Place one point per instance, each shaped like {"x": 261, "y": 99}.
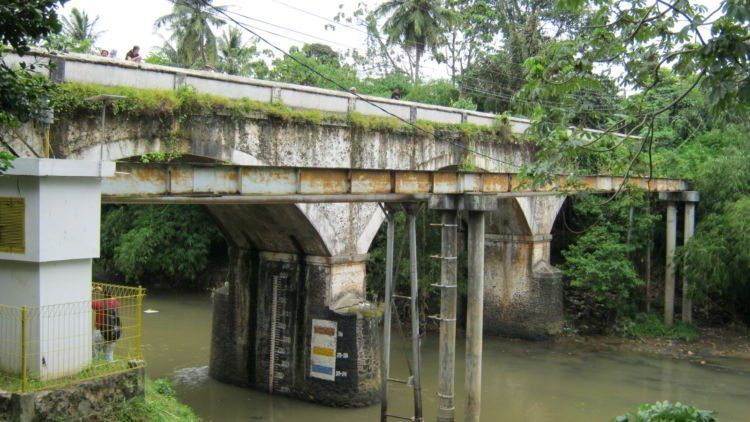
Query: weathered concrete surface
{"x": 92, "y": 400}
{"x": 344, "y": 228}
{"x": 71, "y": 67}
{"x": 262, "y": 327}
{"x": 523, "y": 292}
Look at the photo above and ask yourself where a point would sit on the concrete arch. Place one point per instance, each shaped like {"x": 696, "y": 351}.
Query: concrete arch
{"x": 293, "y": 228}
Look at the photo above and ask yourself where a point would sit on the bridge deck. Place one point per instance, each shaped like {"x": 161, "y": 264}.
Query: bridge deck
{"x": 231, "y": 184}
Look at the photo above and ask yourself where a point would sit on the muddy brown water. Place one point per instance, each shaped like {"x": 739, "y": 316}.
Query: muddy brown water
{"x": 522, "y": 381}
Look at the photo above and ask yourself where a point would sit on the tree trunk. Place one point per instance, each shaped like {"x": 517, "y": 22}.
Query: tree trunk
{"x": 416, "y": 66}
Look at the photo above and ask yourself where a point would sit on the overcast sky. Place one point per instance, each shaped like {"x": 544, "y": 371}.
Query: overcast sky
{"x": 132, "y": 22}
{"x": 283, "y": 22}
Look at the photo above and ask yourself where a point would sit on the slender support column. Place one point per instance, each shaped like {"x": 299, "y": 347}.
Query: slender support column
{"x": 687, "y": 303}
{"x": 447, "y": 351}
{"x": 669, "y": 275}
{"x": 415, "y": 340}
{"x": 474, "y": 316}
{"x": 385, "y": 365}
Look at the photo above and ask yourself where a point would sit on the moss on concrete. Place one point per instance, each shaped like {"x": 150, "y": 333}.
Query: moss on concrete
{"x": 70, "y": 100}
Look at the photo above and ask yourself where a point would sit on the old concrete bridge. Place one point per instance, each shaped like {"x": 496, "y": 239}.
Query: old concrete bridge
{"x": 298, "y": 205}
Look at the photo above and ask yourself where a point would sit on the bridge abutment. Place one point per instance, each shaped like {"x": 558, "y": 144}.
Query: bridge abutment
{"x": 297, "y": 325}
{"x": 523, "y": 291}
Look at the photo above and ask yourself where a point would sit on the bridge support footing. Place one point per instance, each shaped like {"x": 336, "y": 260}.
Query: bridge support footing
{"x": 275, "y": 320}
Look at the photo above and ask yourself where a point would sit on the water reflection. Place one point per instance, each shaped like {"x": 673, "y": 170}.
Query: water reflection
{"x": 521, "y": 381}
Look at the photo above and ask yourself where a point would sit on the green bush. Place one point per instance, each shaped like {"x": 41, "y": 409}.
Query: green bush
{"x": 167, "y": 244}
{"x": 649, "y": 325}
{"x": 667, "y": 412}
{"x": 599, "y": 263}
{"x": 159, "y": 405}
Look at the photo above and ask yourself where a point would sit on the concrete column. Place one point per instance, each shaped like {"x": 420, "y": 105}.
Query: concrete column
{"x": 523, "y": 298}
{"x": 690, "y": 198}
{"x": 687, "y": 303}
{"x": 476, "y": 206}
{"x": 391, "y": 221}
{"x": 233, "y": 332}
{"x": 522, "y": 291}
{"x": 448, "y": 300}
{"x": 669, "y": 273}
{"x": 415, "y": 340}
{"x": 474, "y": 316}
{"x": 333, "y": 294}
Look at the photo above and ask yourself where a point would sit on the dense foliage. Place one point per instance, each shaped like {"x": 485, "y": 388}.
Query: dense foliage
{"x": 560, "y": 63}
{"x": 158, "y": 244}
{"x": 604, "y": 281}
{"x": 667, "y": 412}
{"x": 23, "y": 23}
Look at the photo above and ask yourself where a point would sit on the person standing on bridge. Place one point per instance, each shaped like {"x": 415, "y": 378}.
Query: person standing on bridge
{"x": 396, "y": 94}
{"x": 134, "y": 55}
{"x": 107, "y": 324}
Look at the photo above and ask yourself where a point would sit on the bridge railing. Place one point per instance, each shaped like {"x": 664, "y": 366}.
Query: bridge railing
{"x": 70, "y": 67}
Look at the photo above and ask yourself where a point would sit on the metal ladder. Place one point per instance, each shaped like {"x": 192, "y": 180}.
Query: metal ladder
{"x": 414, "y": 379}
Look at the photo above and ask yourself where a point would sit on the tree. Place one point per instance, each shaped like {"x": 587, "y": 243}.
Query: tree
{"x": 718, "y": 257}
{"x": 599, "y": 264}
{"x": 81, "y": 29}
{"x": 23, "y": 23}
{"x": 162, "y": 243}
{"x": 236, "y": 57}
{"x": 415, "y": 25}
{"x": 192, "y": 23}
{"x": 523, "y": 28}
{"x": 288, "y": 69}
{"x": 633, "y": 43}
{"x": 470, "y": 34}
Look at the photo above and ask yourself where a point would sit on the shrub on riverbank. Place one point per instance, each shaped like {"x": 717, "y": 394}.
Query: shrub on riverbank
{"x": 667, "y": 412}
{"x": 650, "y": 325}
{"x": 160, "y": 404}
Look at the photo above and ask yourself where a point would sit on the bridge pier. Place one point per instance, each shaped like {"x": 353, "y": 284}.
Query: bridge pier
{"x": 267, "y": 324}
{"x": 523, "y": 292}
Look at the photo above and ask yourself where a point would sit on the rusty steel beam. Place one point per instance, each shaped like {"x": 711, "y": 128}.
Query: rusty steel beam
{"x": 231, "y": 184}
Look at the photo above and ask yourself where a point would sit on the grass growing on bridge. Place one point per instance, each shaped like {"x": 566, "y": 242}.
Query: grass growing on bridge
{"x": 69, "y": 102}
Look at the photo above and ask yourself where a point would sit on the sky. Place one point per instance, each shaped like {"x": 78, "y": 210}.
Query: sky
{"x": 283, "y": 22}
{"x": 126, "y": 23}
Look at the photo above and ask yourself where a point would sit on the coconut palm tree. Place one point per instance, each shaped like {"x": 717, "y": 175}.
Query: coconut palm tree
{"x": 415, "y": 25}
{"x": 234, "y": 52}
{"x": 80, "y": 28}
{"x": 192, "y": 23}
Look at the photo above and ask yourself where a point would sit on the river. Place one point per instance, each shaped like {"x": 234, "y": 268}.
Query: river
{"x": 522, "y": 381}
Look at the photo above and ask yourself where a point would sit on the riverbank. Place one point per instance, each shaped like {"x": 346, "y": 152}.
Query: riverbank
{"x": 159, "y": 405}
{"x": 712, "y": 343}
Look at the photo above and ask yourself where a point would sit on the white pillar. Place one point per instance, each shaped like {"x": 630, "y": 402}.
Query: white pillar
{"x": 47, "y": 268}
{"x": 669, "y": 273}
{"x": 474, "y": 316}
{"x": 687, "y": 303}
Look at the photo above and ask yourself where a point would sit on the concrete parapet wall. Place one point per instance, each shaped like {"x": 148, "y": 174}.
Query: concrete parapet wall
{"x": 72, "y": 67}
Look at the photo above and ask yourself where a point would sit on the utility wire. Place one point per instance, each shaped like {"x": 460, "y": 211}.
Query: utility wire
{"x": 343, "y": 88}
{"x": 319, "y": 16}
{"x": 492, "y": 71}
{"x": 502, "y": 96}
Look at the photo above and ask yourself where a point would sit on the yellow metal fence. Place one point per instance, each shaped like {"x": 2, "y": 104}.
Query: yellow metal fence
{"x": 50, "y": 346}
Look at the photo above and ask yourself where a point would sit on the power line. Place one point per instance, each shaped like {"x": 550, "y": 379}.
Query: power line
{"x": 492, "y": 71}
{"x": 319, "y": 16}
{"x": 290, "y": 30}
{"x": 343, "y": 88}
{"x": 506, "y": 97}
